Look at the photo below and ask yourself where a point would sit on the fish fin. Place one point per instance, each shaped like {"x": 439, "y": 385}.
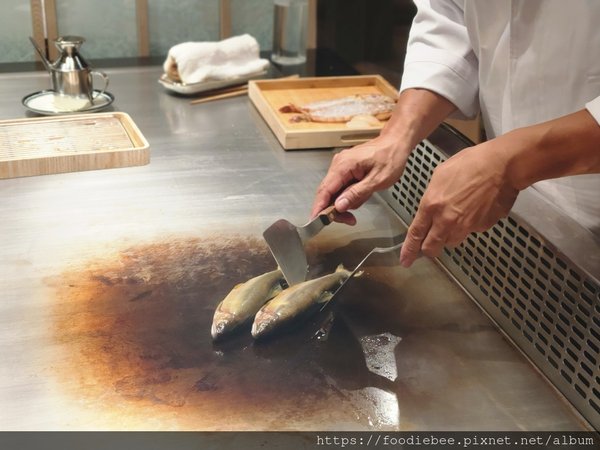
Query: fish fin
{"x": 275, "y": 290}
{"x": 340, "y": 268}
{"x": 325, "y": 297}
{"x": 283, "y": 284}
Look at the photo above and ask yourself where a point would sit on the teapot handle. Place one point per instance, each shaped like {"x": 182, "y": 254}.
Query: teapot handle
{"x": 104, "y": 77}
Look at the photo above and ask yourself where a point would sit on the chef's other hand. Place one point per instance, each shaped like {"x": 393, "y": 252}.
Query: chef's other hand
{"x": 356, "y": 173}
{"x": 468, "y": 192}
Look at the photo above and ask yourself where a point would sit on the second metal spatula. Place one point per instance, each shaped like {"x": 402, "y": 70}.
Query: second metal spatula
{"x": 286, "y": 242}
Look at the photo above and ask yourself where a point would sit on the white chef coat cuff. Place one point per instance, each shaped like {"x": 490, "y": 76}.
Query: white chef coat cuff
{"x": 594, "y": 108}
{"x": 445, "y": 74}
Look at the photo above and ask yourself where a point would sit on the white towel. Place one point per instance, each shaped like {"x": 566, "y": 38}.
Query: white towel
{"x": 194, "y": 62}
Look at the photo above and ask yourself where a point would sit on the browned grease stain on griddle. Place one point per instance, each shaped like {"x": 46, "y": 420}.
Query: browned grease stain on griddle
{"x": 135, "y": 333}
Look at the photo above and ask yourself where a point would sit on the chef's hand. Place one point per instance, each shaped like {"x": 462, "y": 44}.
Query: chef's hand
{"x": 475, "y": 188}
{"x": 356, "y": 173}
{"x": 469, "y": 192}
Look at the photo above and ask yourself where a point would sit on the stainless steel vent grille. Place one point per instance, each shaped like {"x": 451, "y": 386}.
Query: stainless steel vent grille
{"x": 546, "y": 304}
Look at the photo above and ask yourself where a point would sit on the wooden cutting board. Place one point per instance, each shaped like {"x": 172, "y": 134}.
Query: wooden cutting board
{"x": 270, "y": 95}
{"x": 47, "y": 145}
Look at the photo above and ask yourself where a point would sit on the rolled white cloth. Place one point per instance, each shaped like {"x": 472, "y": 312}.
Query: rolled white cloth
{"x": 194, "y": 62}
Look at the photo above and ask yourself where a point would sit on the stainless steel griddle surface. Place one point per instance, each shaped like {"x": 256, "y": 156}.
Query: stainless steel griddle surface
{"x": 108, "y": 281}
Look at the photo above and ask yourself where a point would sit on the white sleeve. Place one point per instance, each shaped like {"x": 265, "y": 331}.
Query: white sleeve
{"x": 439, "y": 55}
{"x": 594, "y": 108}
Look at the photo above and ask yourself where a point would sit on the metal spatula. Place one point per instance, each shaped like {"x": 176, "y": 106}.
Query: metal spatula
{"x": 359, "y": 265}
{"x": 323, "y": 332}
{"x": 286, "y": 242}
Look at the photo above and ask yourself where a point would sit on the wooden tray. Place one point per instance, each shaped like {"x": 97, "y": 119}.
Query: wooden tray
{"x": 270, "y": 95}
{"x": 46, "y": 145}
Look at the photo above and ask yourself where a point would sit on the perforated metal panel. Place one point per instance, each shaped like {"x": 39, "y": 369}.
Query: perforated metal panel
{"x": 548, "y": 305}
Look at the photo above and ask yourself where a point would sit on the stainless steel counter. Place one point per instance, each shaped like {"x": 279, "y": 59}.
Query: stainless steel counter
{"x": 108, "y": 280}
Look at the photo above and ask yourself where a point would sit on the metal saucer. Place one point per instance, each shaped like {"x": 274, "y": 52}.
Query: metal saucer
{"x": 35, "y": 102}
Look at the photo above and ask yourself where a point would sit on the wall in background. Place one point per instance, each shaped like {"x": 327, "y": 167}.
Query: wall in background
{"x": 171, "y": 22}
{"x": 15, "y": 27}
{"x": 108, "y": 26}
{"x": 111, "y": 26}
{"x": 371, "y": 35}
{"x": 254, "y": 17}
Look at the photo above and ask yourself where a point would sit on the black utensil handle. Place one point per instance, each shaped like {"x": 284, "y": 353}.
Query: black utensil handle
{"x": 329, "y": 215}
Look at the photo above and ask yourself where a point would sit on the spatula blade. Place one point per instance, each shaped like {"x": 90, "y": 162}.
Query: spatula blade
{"x": 288, "y": 250}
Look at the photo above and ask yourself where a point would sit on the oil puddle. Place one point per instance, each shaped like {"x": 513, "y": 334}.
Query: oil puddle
{"x": 133, "y": 330}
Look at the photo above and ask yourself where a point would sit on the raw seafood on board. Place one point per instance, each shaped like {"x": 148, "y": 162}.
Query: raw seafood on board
{"x": 343, "y": 109}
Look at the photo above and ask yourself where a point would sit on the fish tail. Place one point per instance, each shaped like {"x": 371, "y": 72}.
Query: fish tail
{"x": 341, "y": 268}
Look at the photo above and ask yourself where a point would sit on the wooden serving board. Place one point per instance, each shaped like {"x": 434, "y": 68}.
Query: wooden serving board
{"x": 270, "y": 95}
{"x": 58, "y": 144}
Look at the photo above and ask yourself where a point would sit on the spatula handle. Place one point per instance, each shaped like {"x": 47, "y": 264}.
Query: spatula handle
{"x": 329, "y": 214}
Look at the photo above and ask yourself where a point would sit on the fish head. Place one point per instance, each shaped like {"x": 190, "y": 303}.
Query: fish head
{"x": 263, "y": 324}
{"x": 223, "y": 323}
{"x": 218, "y": 329}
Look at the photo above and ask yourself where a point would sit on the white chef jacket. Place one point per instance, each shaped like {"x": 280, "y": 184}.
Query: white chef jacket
{"x": 519, "y": 62}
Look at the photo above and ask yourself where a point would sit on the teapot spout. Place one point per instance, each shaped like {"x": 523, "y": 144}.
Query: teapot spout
{"x": 42, "y": 56}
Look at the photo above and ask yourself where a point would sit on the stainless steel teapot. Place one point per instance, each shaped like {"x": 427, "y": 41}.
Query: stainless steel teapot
{"x": 71, "y": 74}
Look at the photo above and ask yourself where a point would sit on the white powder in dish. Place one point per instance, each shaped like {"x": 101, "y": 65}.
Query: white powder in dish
{"x": 53, "y": 102}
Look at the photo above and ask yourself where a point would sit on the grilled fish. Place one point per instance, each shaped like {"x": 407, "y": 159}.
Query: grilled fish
{"x": 343, "y": 109}
{"x": 297, "y": 302}
{"x": 244, "y": 300}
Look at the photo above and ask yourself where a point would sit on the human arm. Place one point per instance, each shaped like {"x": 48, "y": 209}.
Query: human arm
{"x": 356, "y": 173}
{"x": 439, "y": 77}
{"x": 476, "y": 187}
